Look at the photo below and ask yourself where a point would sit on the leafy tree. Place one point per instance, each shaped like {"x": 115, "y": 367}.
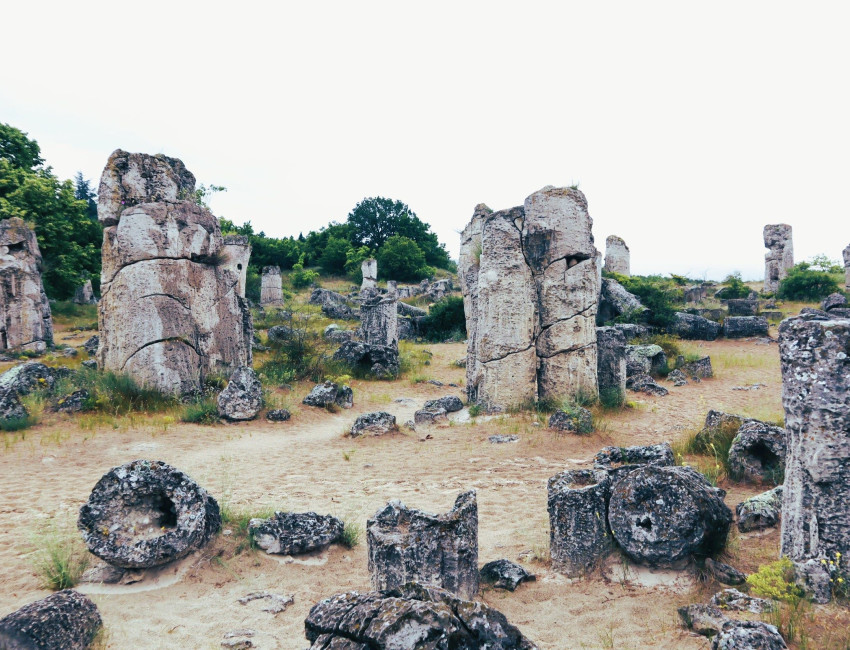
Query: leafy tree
{"x": 401, "y": 259}
{"x": 806, "y": 284}
{"x": 335, "y": 255}
{"x": 316, "y": 241}
{"x": 354, "y": 263}
{"x": 18, "y": 149}
{"x": 735, "y": 287}
{"x": 445, "y": 320}
{"x": 825, "y": 264}
{"x": 300, "y": 277}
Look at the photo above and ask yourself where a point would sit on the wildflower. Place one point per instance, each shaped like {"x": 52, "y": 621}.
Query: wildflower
{"x": 823, "y": 561}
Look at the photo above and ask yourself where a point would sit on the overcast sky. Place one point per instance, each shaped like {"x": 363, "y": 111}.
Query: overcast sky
{"x": 689, "y": 126}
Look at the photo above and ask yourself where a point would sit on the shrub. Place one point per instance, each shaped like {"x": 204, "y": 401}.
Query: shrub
{"x": 303, "y": 354}
{"x": 401, "y": 259}
{"x": 806, "y": 284}
{"x": 735, "y": 287}
{"x": 119, "y": 394}
{"x": 656, "y": 294}
{"x": 353, "y": 263}
{"x": 775, "y": 581}
{"x": 445, "y": 320}
{"x": 335, "y": 255}
{"x": 201, "y": 411}
{"x": 301, "y": 277}
{"x": 351, "y": 534}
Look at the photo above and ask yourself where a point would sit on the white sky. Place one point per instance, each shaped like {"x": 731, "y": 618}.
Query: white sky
{"x": 688, "y": 125}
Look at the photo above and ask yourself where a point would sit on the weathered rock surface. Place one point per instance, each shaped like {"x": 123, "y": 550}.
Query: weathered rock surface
{"x": 617, "y": 256}
{"x": 66, "y": 620}
{"x": 376, "y": 424}
{"x": 780, "y": 258}
{"x": 170, "y": 312}
{"x": 334, "y": 305}
{"x": 696, "y": 293}
{"x": 411, "y": 617}
{"x": 644, "y": 359}
{"x": 660, "y": 515}
{"x": 450, "y": 403}
{"x": 701, "y": 368}
{"x": 735, "y": 327}
{"x": 430, "y": 416}
{"x": 646, "y": 384}
{"x": 438, "y": 550}
{"x": 378, "y": 318}
{"x": 659, "y": 454}
{"x": 815, "y": 387}
{"x": 72, "y": 403}
{"x": 724, "y": 573}
{"x": 677, "y": 377}
{"x": 369, "y": 269}
{"x": 706, "y": 620}
{"x": 242, "y": 398}
{"x": 271, "y": 286}
{"x": 846, "y": 255}
{"x": 758, "y": 452}
{"x": 413, "y": 311}
{"x": 21, "y": 380}
{"x": 579, "y": 537}
{"x": 693, "y": 327}
{"x": 504, "y": 574}
{"x": 834, "y": 301}
{"x": 814, "y": 578}
{"x": 616, "y": 301}
{"x": 278, "y": 415}
{"x": 329, "y": 393}
{"x": 25, "y": 320}
{"x": 748, "y": 635}
{"x": 237, "y": 250}
{"x": 84, "y": 295}
{"x": 380, "y": 361}
{"x": 146, "y": 513}
{"x": 732, "y": 599}
{"x": 742, "y": 307}
{"x": 761, "y": 511}
{"x": 579, "y": 420}
{"x": 611, "y": 365}
{"x": 293, "y": 533}
{"x": 91, "y": 345}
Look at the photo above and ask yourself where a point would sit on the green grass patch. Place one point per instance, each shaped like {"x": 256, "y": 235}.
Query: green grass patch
{"x": 60, "y": 557}
{"x": 200, "y": 411}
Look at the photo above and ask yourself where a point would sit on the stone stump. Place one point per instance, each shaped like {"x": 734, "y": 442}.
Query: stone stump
{"x": 579, "y": 538}
{"x": 271, "y": 286}
{"x": 237, "y": 249}
{"x": 815, "y": 356}
{"x": 25, "y": 320}
{"x": 617, "y": 256}
{"x": 66, "y": 620}
{"x": 84, "y": 295}
{"x": 439, "y": 550}
{"x": 468, "y": 271}
{"x": 777, "y": 239}
{"x": 369, "y": 269}
{"x": 378, "y": 318}
{"x": 611, "y": 365}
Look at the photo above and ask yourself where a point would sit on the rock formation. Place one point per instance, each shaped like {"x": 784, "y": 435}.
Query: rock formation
{"x": 438, "y": 550}
{"x": 369, "y": 269}
{"x": 242, "y": 399}
{"x": 615, "y": 301}
{"x": 611, "y": 365}
{"x": 170, "y": 311}
{"x": 528, "y": 276}
{"x": 329, "y": 395}
{"x": 26, "y": 322}
{"x": 617, "y": 256}
{"x": 691, "y": 326}
{"x": 736, "y": 327}
{"x": 378, "y": 318}
{"x": 815, "y": 357}
{"x": 84, "y": 295}
{"x": 376, "y": 423}
{"x": 237, "y": 249}
{"x": 504, "y": 574}
{"x": 758, "y": 452}
{"x": 293, "y": 533}
{"x": 777, "y": 238}
{"x": 66, "y": 620}
{"x": 271, "y": 286}
{"x": 381, "y": 361}
{"x": 761, "y": 511}
{"x": 846, "y": 255}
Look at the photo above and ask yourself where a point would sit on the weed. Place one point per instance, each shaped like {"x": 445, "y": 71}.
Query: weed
{"x": 346, "y": 455}
{"x": 239, "y": 520}
{"x": 474, "y": 410}
{"x": 352, "y": 532}
{"x": 203, "y": 410}
{"x": 17, "y": 424}
{"x": 60, "y": 556}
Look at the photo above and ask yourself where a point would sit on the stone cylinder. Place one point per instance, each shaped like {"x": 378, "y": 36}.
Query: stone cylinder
{"x": 579, "y": 538}
{"x": 780, "y": 258}
{"x": 815, "y": 357}
{"x": 617, "y": 256}
{"x": 369, "y": 269}
{"x": 271, "y": 286}
{"x": 237, "y": 250}
{"x": 66, "y": 620}
{"x": 611, "y": 365}
{"x": 379, "y": 318}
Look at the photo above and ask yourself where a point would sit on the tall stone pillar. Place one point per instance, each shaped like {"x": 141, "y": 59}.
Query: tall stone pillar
{"x": 369, "y": 269}
{"x": 379, "y": 318}
{"x": 846, "y": 254}
{"x": 468, "y": 270}
{"x": 617, "y": 256}
{"x": 777, "y": 238}
{"x": 271, "y": 286}
{"x": 237, "y": 249}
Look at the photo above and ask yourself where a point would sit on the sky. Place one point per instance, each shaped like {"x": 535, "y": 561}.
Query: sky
{"x": 688, "y": 126}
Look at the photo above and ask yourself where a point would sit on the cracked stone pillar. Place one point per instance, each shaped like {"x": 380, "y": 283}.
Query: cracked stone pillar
{"x": 617, "y": 258}
{"x": 237, "y": 248}
{"x": 25, "y": 320}
{"x": 777, "y": 238}
{"x": 170, "y": 311}
{"x": 379, "y": 318}
{"x": 468, "y": 270}
{"x": 84, "y": 295}
{"x": 815, "y": 357}
{"x": 846, "y": 254}
{"x": 369, "y": 269}
{"x": 271, "y": 286}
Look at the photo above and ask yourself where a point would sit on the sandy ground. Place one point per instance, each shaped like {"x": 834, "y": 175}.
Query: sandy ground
{"x": 307, "y": 464}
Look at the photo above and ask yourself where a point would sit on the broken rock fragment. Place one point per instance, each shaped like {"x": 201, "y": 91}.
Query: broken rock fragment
{"x": 292, "y": 533}
{"x": 66, "y": 620}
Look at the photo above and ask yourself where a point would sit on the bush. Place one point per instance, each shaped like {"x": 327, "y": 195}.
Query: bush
{"x": 445, "y": 320}
{"x": 353, "y": 263}
{"x": 300, "y": 277}
{"x": 335, "y": 255}
{"x": 803, "y": 283}
{"x": 201, "y": 411}
{"x": 735, "y": 287}
{"x": 656, "y": 294}
{"x": 775, "y": 581}
{"x": 119, "y": 394}
{"x": 401, "y": 259}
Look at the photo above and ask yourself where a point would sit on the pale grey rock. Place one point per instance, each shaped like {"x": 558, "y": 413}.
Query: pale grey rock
{"x": 66, "y": 620}
{"x": 724, "y": 573}
{"x": 369, "y": 269}
{"x": 376, "y": 424}
{"x": 500, "y": 439}
{"x": 19, "y": 381}
{"x": 329, "y": 393}
{"x": 616, "y": 301}
{"x": 434, "y": 415}
{"x": 237, "y": 249}
{"x": 450, "y": 403}
{"x": 812, "y": 576}
{"x": 742, "y": 307}
{"x": 403, "y": 309}
{"x": 748, "y": 635}
{"x": 696, "y": 293}
{"x": 758, "y": 452}
{"x": 743, "y": 326}
{"x": 378, "y": 318}
{"x": 706, "y": 620}
{"x": 438, "y": 550}
{"x": 84, "y": 295}
{"x": 761, "y": 511}
{"x": 25, "y": 320}
{"x": 644, "y": 359}
{"x": 504, "y": 574}
{"x": 274, "y": 603}
{"x": 732, "y": 599}
{"x": 834, "y": 301}
{"x": 780, "y": 258}
{"x": 693, "y": 327}
{"x": 294, "y": 533}
{"x": 701, "y": 368}
{"x": 381, "y": 361}
{"x": 646, "y": 384}
{"x": 334, "y": 305}
{"x": 242, "y": 398}
{"x": 677, "y": 377}
{"x": 271, "y": 286}
{"x": 611, "y": 365}
{"x": 469, "y": 265}
{"x": 617, "y": 256}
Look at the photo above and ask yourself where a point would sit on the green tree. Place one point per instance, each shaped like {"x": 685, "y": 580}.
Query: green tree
{"x": 18, "y": 149}
{"x": 354, "y": 261}
{"x": 84, "y": 192}
{"x": 805, "y": 284}
{"x": 335, "y": 255}
{"x": 401, "y": 259}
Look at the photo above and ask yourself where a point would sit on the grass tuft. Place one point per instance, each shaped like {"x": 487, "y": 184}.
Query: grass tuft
{"x": 60, "y": 556}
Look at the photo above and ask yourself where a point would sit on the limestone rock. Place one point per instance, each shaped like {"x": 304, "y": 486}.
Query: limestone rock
{"x": 411, "y": 617}
{"x": 741, "y": 326}
{"x": 761, "y": 511}
{"x": 278, "y": 415}
{"x": 271, "y": 286}
{"x": 66, "y": 620}
{"x": 742, "y": 307}
{"x": 381, "y": 361}
{"x": 733, "y": 599}
{"x": 237, "y": 250}
{"x": 677, "y": 377}
{"x": 450, "y": 403}
{"x": 293, "y": 533}
{"x": 404, "y": 309}
{"x": 73, "y": 403}
{"x": 748, "y": 635}
{"x": 378, "y": 318}
{"x": 724, "y": 573}
{"x": 660, "y": 515}
{"x": 242, "y": 399}
{"x": 84, "y": 295}
{"x": 146, "y": 513}
{"x": 833, "y": 301}
{"x": 777, "y": 239}
{"x": 500, "y": 439}
{"x": 439, "y": 550}
{"x": 369, "y": 269}
{"x": 21, "y": 380}
{"x": 758, "y": 452}
{"x": 617, "y": 256}
{"x": 611, "y": 365}
{"x": 646, "y": 384}
{"x": 644, "y": 359}
{"x": 815, "y": 386}
{"x": 813, "y": 577}
{"x": 693, "y": 327}
{"x": 377, "y": 424}
{"x": 504, "y": 574}
{"x": 706, "y": 620}
{"x": 324, "y": 395}
{"x": 701, "y": 368}
{"x": 91, "y": 345}
{"x": 430, "y": 416}
{"x": 25, "y": 320}
{"x": 579, "y": 420}
{"x": 578, "y": 529}
{"x": 659, "y": 454}
{"x": 471, "y": 249}
{"x": 616, "y": 301}
{"x": 334, "y": 305}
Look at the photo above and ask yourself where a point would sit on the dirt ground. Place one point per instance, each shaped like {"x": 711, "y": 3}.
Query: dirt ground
{"x": 307, "y": 464}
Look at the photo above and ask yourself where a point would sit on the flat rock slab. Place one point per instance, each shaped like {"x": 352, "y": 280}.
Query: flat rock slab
{"x": 274, "y": 603}
{"x": 504, "y": 574}
{"x": 291, "y": 533}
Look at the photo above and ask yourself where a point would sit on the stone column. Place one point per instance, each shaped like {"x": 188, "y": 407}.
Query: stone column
{"x": 369, "y": 269}
{"x": 815, "y": 357}
{"x": 237, "y": 249}
{"x": 379, "y": 318}
{"x": 611, "y": 365}
{"x": 271, "y": 287}
{"x": 617, "y": 256}
{"x": 468, "y": 269}
{"x": 846, "y": 254}
{"x": 777, "y": 238}
{"x": 84, "y": 295}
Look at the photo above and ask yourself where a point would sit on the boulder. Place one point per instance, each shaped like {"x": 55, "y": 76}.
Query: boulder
{"x": 284, "y": 333}
{"x": 329, "y": 393}
{"x": 761, "y": 511}
{"x": 271, "y": 286}
{"x": 73, "y": 403}
{"x": 748, "y": 635}
{"x": 644, "y": 359}
{"x": 504, "y": 574}
{"x": 633, "y": 331}
{"x": 724, "y": 573}
{"x": 578, "y": 420}
{"x": 376, "y": 424}
{"x": 242, "y": 398}
{"x": 693, "y": 327}
{"x": 66, "y": 620}
{"x": 84, "y": 295}
{"x": 701, "y": 368}
{"x": 696, "y": 293}
{"x": 380, "y": 361}
{"x": 732, "y": 599}
{"x": 813, "y": 577}
{"x": 611, "y": 457}
{"x": 706, "y": 620}
{"x": 742, "y": 307}
{"x": 146, "y": 513}
{"x": 278, "y": 415}
{"x": 21, "y": 380}
{"x": 293, "y": 533}
{"x": 758, "y": 452}
{"x": 438, "y": 550}
{"x": 91, "y": 364}
{"x": 403, "y": 309}
{"x": 91, "y": 345}
{"x": 780, "y": 256}
{"x": 611, "y": 365}
{"x": 410, "y": 617}
{"x": 661, "y": 515}
{"x": 677, "y": 377}
{"x": 615, "y": 301}
{"x": 717, "y": 423}
{"x": 579, "y": 538}
{"x": 833, "y": 301}
{"x": 334, "y": 305}
{"x": 430, "y": 416}
{"x": 735, "y": 327}
{"x": 450, "y": 403}
{"x": 617, "y": 256}
{"x": 645, "y": 384}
